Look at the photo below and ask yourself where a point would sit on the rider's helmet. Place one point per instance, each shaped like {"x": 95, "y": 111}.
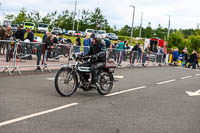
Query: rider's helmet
{"x": 98, "y": 37}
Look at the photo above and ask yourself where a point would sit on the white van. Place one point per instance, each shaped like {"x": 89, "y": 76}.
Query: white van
{"x": 43, "y": 28}
{"x": 89, "y": 32}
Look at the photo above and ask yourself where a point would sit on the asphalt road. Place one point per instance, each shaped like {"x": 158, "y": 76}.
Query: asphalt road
{"x": 148, "y": 100}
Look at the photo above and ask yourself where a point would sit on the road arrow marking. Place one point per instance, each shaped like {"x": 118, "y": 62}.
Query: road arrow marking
{"x": 196, "y": 93}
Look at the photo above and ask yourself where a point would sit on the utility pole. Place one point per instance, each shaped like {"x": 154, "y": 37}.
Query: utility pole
{"x": 78, "y": 20}
{"x": 140, "y": 34}
{"x": 132, "y": 22}
{"x": 74, "y": 14}
{"x": 168, "y": 27}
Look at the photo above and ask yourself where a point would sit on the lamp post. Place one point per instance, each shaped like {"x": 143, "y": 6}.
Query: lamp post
{"x": 168, "y": 27}
{"x": 78, "y": 20}
{"x": 132, "y": 22}
{"x": 140, "y": 34}
{"x": 74, "y": 15}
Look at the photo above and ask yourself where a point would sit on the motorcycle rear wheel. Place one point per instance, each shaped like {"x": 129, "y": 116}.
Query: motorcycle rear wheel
{"x": 106, "y": 83}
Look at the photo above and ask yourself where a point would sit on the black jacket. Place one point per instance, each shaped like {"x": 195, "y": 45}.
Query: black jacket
{"x": 193, "y": 58}
{"x": 48, "y": 43}
{"x": 98, "y": 49}
{"x": 78, "y": 41}
{"x": 30, "y": 36}
{"x": 19, "y": 34}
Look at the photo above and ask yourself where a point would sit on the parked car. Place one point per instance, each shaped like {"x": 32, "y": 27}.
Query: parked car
{"x": 78, "y": 33}
{"x": 71, "y": 32}
{"x": 14, "y": 27}
{"x": 89, "y": 32}
{"x": 82, "y": 34}
{"x": 37, "y": 39}
{"x": 43, "y": 28}
{"x": 102, "y": 32}
{"x": 112, "y": 36}
{"x": 65, "y": 32}
{"x": 29, "y": 25}
{"x": 57, "y": 31}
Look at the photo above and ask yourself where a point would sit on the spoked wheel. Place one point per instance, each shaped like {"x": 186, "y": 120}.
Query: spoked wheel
{"x": 106, "y": 83}
{"x": 65, "y": 82}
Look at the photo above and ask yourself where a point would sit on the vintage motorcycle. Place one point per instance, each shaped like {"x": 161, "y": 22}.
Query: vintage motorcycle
{"x": 69, "y": 78}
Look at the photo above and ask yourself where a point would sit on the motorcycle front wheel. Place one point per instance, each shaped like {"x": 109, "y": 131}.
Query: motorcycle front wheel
{"x": 106, "y": 83}
{"x": 66, "y": 82}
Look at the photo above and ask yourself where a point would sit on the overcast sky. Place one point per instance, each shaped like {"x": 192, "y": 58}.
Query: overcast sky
{"x": 184, "y": 13}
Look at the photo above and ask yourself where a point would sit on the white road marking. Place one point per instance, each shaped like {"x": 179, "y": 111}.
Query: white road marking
{"x": 196, "y": 93}
{"x": 119, "y": 77}
{"x": 51, "y": 79}
{"x": 197, "y": 74}
{"x": 164, "y": 82}
{"x": 120, "y": 92}
{"x": 186, "y": 77}
{"x": 37, "y": 114}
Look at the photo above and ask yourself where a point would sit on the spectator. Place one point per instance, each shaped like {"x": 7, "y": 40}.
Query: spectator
{"x": 48, "y": 46}
{"x": 61, "y": 39}
{"x": 8, "y": 33}
{"x": 86, "y": 43}
{"x": 146, "y": 55}
{"x": 19, "y": 34}
{"x": 134, "y": 54}
{"x": 193, "y": 60}
{"x": 69, "y": 41}
{"x": 185, "y": 51}
{"x": 78, "y": 44}
{"x": 175, "y": 56}
{"x": 171, "y": 51}
{"x": 2, "y": 37}
{"x": 139, "y": 53}
{"x": 30, "y": 35}
{"x": 108, "y": 42}
{"x": 160, "y": 50}
{"x": 120, "y": 49}
{"x": 55, "y": 39}
{"x": 45, "y": 36}
{"x": 126, "y": 47}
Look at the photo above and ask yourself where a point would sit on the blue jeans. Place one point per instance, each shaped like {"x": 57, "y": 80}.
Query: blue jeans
{"x": 77, "y": 49}
{"x": 86, "y": 50}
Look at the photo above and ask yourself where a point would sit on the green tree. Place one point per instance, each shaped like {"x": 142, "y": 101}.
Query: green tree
{"x": 21, "y": 17}
{"x": 96, "y": 18}
{"x": 149, "y": 33}
{"x": 176, "y": 39}
{"x": 194, "y": 42}
{"x": 125, "y": 31}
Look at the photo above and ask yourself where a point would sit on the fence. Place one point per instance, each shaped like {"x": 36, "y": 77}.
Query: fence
{"x": 26, "y": 56}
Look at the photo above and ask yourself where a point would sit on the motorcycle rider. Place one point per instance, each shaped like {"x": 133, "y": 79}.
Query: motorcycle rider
{"x": 97, "y": 52}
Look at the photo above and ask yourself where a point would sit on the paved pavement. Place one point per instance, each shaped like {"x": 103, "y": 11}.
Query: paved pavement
{"x": 146, "y": 100}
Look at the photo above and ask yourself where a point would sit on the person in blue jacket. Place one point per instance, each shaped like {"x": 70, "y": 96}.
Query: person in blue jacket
{"x": 175, "y": 56}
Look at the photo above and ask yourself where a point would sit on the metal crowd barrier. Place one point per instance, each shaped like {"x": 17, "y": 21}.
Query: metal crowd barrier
{"x": 131, "y": 58}
{"x": 28, "y": 55}
{"x": 25, "y": 56}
